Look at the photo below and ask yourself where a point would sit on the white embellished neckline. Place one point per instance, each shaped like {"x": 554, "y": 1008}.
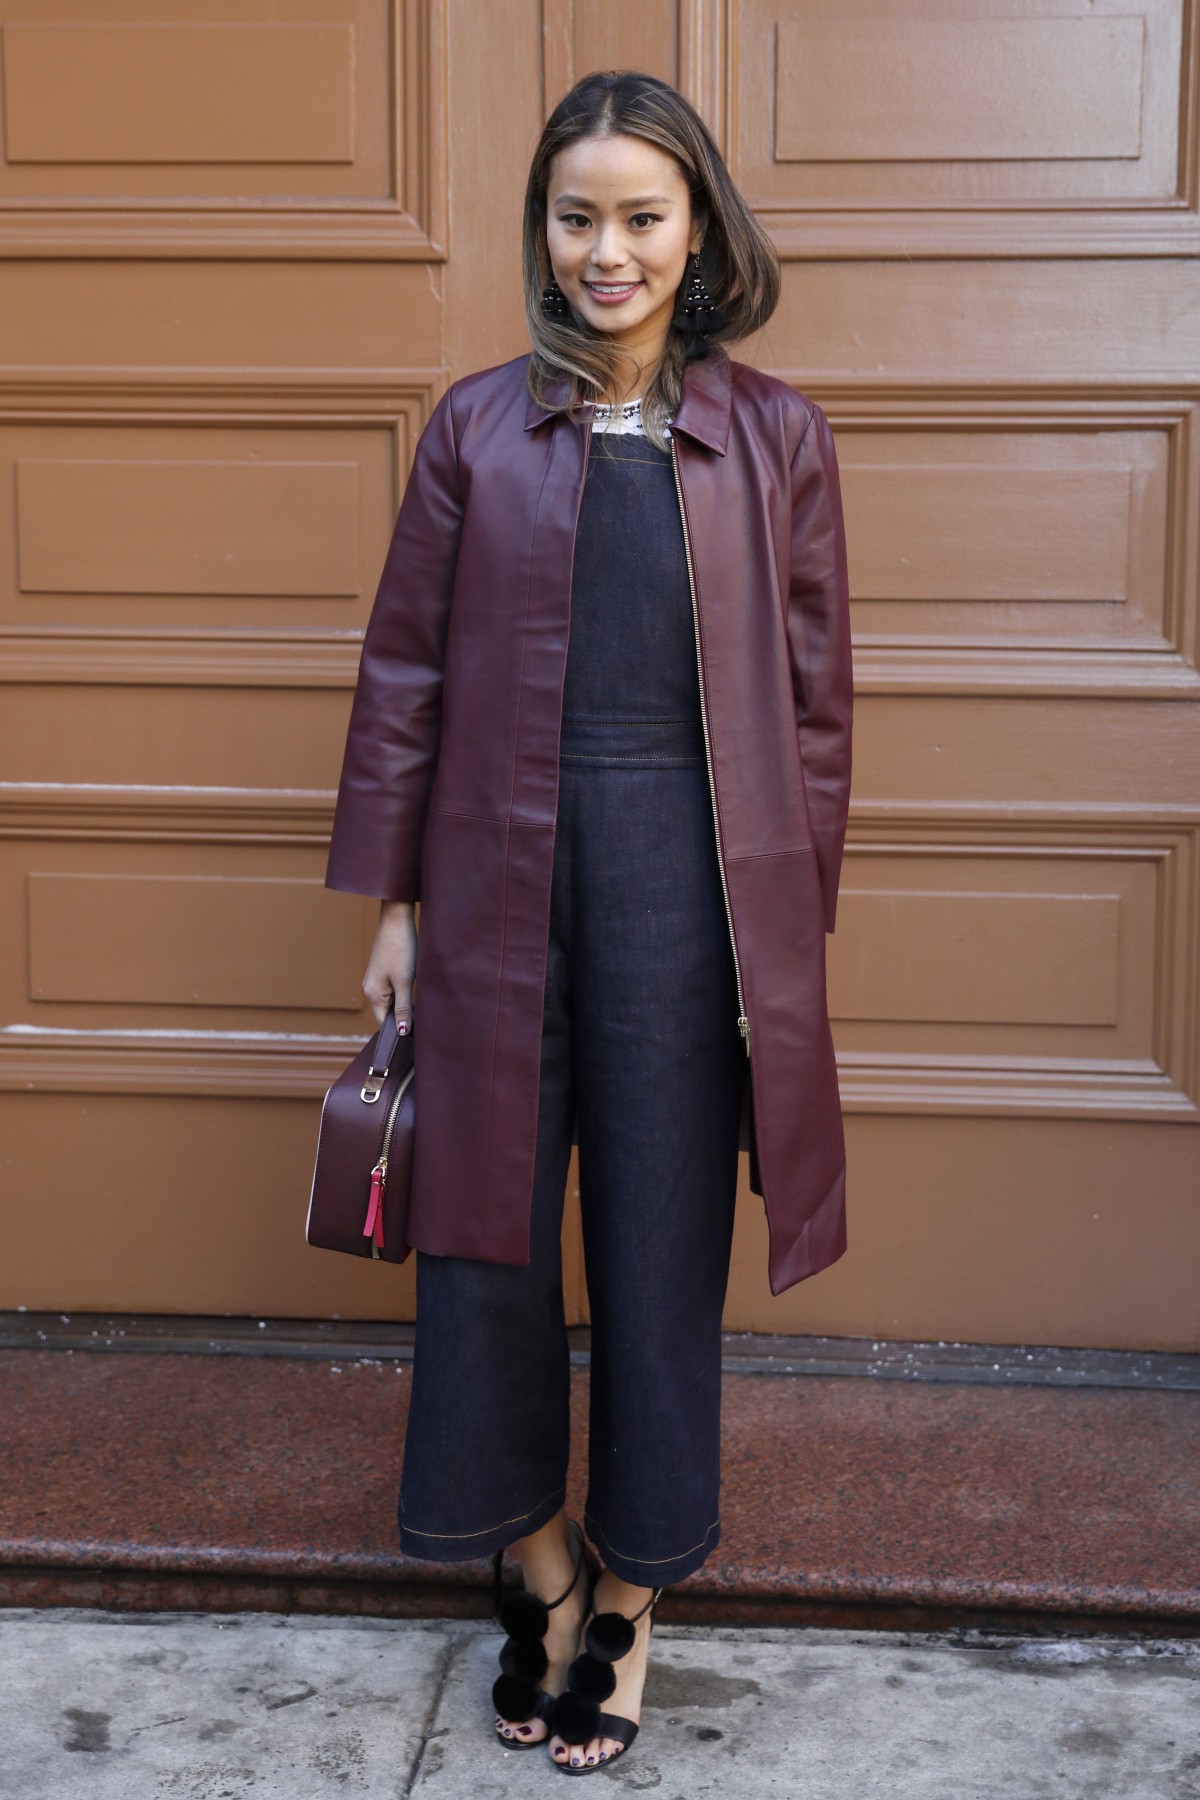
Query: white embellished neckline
{"x": 626, "y": 417}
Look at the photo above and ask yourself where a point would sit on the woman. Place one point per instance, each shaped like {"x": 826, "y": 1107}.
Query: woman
{"x": 602, "y": 732}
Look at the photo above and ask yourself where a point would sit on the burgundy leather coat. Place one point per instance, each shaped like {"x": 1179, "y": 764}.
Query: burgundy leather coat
{"x": 449, "y": 787}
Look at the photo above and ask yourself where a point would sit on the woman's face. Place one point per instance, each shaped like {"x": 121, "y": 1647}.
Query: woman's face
{"x": 619, "y": 231}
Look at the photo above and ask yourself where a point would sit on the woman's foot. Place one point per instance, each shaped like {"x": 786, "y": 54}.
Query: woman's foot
{"x": 549, "y": 1559}
{"x": 614, "y": 1595}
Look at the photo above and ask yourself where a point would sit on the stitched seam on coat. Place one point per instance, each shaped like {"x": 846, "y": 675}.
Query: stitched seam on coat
{"x": 807, "y": 428}
{"x": 757, "y": 855}
{"x": 459, "y": 812}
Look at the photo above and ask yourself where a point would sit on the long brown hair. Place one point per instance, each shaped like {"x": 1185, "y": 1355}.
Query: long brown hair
{"x": 745, "y": 282}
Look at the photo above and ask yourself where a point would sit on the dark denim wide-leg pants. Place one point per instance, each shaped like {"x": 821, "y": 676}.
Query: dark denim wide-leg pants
{"x": 641, "y": 1050}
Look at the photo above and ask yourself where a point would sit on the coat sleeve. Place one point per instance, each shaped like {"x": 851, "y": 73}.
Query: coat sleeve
{"x": 818, "y": 626}
{"x": 395, "y": 718}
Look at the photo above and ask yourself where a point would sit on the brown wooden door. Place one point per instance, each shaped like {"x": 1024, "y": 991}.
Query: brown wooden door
{"x": 242, "y": 255}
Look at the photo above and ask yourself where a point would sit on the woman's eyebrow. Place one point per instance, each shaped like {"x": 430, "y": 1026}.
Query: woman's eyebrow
{"x": 642, "y": 200}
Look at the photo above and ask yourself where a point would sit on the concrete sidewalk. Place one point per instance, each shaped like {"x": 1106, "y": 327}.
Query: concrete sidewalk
{"x": 217, "y": 1706}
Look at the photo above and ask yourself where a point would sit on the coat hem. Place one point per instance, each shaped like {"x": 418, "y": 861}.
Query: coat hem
{"x": 821, "y": 1241}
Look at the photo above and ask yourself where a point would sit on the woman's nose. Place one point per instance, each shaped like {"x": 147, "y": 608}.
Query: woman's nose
{"x": 608, "y": 250}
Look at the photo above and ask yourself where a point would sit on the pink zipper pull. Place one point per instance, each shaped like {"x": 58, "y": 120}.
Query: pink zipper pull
{"x": 374, "y": 1224}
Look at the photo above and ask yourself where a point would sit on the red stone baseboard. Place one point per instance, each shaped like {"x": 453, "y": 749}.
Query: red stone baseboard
{"x": 179, "y": 1480}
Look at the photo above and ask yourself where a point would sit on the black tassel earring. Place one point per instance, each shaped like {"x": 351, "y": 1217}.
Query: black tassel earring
{"x": 554, "y": 301}
{"x": 696, "y": 313}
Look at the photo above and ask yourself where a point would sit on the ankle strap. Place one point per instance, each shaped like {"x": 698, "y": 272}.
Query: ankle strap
{"x": 632, "y": 1618}
{"x": 652, "y": 1601}
{"x": 551, "y": 1604}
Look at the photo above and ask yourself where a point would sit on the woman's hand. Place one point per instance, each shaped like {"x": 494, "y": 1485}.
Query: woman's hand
{"x": 389, "y": 975}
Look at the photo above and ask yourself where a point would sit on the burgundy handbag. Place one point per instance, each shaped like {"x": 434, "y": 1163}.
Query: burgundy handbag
{"x": 363, "y": 1169}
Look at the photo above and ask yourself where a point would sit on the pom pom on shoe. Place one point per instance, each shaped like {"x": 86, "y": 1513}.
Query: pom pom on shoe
{"x": 514, "y": 1699}
{"x": 523, "y": 1615}
{"x": 594, "y": 1679}
{"x": 524, "y": 1658}
{"x": 610, "y": 1635}
{"x": 576, "y": 1717}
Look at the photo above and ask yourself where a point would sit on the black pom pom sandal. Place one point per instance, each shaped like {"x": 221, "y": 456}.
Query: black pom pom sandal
{"x": 576, "y": 1716}
{"x": 516, "y": 1694}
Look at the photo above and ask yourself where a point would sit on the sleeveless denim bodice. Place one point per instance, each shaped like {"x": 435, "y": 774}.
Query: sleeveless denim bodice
{"x": 631, "y": 649}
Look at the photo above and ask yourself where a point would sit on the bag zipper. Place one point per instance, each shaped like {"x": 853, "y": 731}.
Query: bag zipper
{"x": 743, "y": 1021}
{"x": 374, "y": 1225}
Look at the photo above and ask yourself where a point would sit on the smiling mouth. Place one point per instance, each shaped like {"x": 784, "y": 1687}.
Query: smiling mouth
{"x": 611, "y": 291}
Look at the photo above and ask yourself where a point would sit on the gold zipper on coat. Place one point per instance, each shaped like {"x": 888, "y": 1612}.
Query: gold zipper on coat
{"x": 380, "y": 1168}
{"x": 743, "y": 1021}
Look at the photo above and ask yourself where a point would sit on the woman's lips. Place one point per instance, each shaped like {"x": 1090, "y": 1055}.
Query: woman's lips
{"x": 612, "y": 296}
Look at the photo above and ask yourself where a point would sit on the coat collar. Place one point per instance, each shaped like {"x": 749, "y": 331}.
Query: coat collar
{"x": 704, "y": 407}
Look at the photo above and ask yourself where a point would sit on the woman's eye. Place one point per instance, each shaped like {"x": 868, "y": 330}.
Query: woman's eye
{"x": 583, "y": 220}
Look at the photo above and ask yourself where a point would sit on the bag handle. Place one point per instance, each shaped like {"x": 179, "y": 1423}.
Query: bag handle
{"x": 382, "y": 1053}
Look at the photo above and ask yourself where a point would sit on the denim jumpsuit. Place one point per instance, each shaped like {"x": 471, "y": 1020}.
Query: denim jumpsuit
{"x": 641, "y": 1054}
